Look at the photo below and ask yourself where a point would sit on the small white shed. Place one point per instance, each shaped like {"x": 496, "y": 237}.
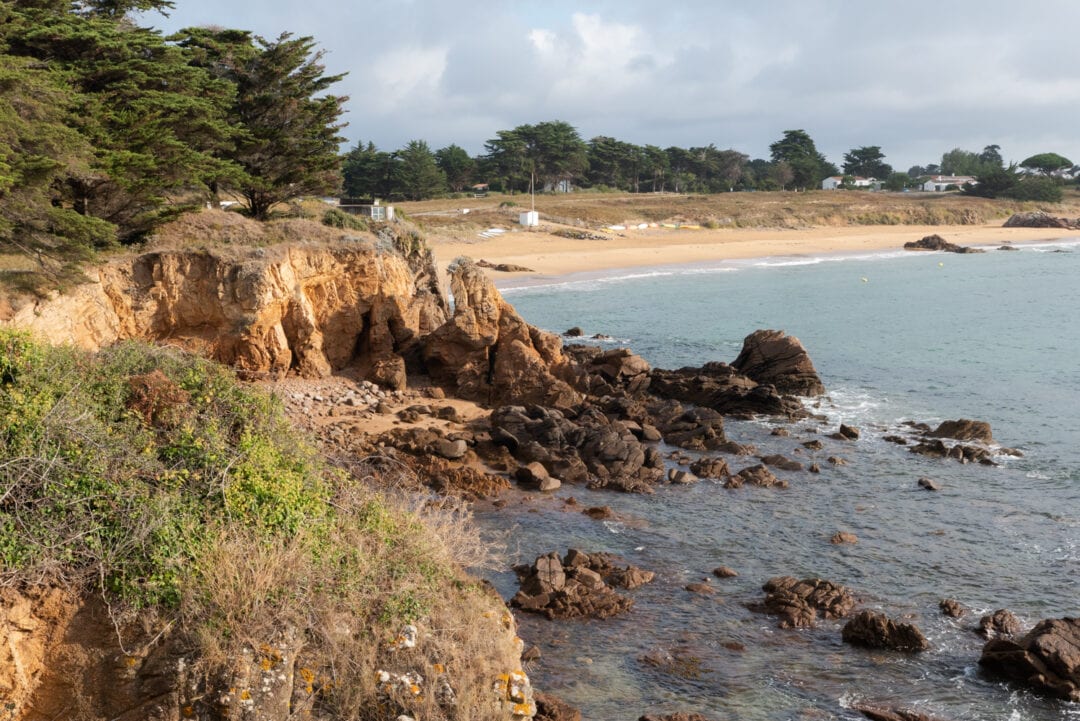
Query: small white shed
{"x": 530, "y": 219}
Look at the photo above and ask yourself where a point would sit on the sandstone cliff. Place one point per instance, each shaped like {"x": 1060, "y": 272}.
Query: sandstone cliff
{"x": 309, "y": 308}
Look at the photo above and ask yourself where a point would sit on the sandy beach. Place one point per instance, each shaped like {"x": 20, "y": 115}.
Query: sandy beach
{"x": 551, "y": 255}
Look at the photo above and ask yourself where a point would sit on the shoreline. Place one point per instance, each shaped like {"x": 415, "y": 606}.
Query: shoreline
{"x": 552, "y": 258}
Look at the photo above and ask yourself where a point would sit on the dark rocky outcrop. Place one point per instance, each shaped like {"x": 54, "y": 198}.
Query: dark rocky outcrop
{"x": 577, "y": 585}
{"x": 695, "y": 428}
{"x": 1040, "y": 219}
{"x": 936, "y": 242}
{"x": 1047, "y": 659}
{"x": 718, "y": 386}
{"x": 606, "y": 373}
{"x": 798, "y": 603}
{"x": 587, "y": 448}
{"x": 774, "y": 358}
{"x": 965, "y": 454}
{"x": 876, "y": 630}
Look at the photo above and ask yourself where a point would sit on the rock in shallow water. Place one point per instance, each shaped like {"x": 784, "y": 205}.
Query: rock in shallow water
{"x": 876, "y": 630}
{"x": 1047, "y": 659}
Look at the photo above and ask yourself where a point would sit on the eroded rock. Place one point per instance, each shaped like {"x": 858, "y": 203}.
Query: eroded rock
{"x": 876, "y": 630}
{"x": 1046, "y": 659}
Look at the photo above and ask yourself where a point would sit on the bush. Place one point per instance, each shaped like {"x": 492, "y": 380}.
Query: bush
{"x": 336, "y": 218}
{"x": 1040, "y": 189}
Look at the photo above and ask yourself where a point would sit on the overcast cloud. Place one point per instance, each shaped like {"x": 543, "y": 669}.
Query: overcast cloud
{"x": 917, "y": 78}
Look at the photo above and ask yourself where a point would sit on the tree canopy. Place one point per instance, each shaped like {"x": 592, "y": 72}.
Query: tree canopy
{"x": 868, "y": 162}
{"x": 1046, "y": 163}
{"x": 797, "y": 150}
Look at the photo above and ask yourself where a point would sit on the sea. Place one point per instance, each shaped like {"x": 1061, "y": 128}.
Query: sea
{"x": 895, "y": 336}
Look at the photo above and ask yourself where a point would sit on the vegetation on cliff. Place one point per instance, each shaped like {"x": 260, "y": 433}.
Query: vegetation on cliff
{"x": 108, "y": 129}
{"x": 153, "y": 479}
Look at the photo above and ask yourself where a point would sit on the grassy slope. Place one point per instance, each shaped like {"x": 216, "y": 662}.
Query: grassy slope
{"x": 155, "y": 478}
{"x": 736, "y": 210}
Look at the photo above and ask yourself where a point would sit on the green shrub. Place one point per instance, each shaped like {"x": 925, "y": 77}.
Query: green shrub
{"x": 337, "y": 218}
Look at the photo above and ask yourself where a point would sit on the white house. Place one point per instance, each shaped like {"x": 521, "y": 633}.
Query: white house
{"x": 835, "y": 181}
{"x": 938, "y": 183}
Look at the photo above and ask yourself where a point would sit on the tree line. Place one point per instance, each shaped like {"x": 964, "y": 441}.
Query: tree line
{"x": 552, "y": 156}
{"x": 108, "y": 129}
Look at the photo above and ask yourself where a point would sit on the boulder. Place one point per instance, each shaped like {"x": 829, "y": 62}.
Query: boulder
{"x": 882, "y": 713}
{"x": 1046, "y": 659}
{"x": 951, "y": 608}
{"x": 1000, "y": 623}
{"x": 710, "y": 467}
{"x": 574, "y": 332}
{"x": 451, "y": 450}
{"x": 929, "y": 484}
{"x": 586, "y": 448}
{"x": 758, "y": 475}
{"x": 681, "y": 477}
{"x": 680, "y": 716}
{"x": 724, "y": 572}
{"x": 876, "y": 630}
{"x": 774, "y": 358}
{"x": 963, "y": 430}
{"x": 843, "y": 537}
{"x": 799, "y": 602}
{"x": 698, "y": 429}
{"x": 936, "y": 242}
{"x": 488, "y": 354}
{"x": 578, "y": 585}
{"x": 722, "y": 388}
{"x": 782, "y": 462}
{"x": 1041, "y": 219}
{"x": 552, "y": 708}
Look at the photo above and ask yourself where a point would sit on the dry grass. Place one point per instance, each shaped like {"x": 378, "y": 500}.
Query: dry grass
{"x": 736, "y": 210}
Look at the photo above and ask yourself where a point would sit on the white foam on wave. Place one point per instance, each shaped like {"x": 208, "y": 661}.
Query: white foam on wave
{"x": 592, "y": 283}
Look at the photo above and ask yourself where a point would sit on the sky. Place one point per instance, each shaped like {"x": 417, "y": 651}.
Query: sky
{"x": 916, "y": 78}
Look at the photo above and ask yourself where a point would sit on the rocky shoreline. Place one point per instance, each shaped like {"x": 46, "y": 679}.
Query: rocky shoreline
{"x": 474, "y": 402}
{"x": 594, "y": 418}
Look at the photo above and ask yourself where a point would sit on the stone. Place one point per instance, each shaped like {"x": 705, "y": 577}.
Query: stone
{"x": 724, "y": 572}
{"x": 882, "y": 713}
{"x": 782, "y": 462}
{"x": 1046, "y": 659}
{"x": 963, "y": 430}
{"x": 929, "y": 484}
{"x": 682, "y": 478}
{"x": 814, "y": 445}
{"x": 798, "y": 603}
{"x": 680, "y": 716}
{"x": 876, "y": 630}
{"x": 951, "y": 608}
{"x": 599, "y": 513}
{"x": 549, "y": 573}
{"x": 703, "y": 589}
{"x": 1000, "y": 623}
{"x": 549, "y": 484}
{"x": 1040, "y": 219}
{"x": 936, "y": 242}
{"x": 574, "y": 332}
{"x": 710, "y": 467}
{"x": 531, "y": 474}
{"x": 843, "y": 537}
{"x": 451, "y": 450}
{"x": 552, "y": 708}
{"x": 758, "y": 475}
{"x": 848, "y": 432}
{"x": 774, "y": 358}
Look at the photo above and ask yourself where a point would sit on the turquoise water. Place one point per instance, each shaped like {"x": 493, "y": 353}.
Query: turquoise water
{"x": 894, "y": 336}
